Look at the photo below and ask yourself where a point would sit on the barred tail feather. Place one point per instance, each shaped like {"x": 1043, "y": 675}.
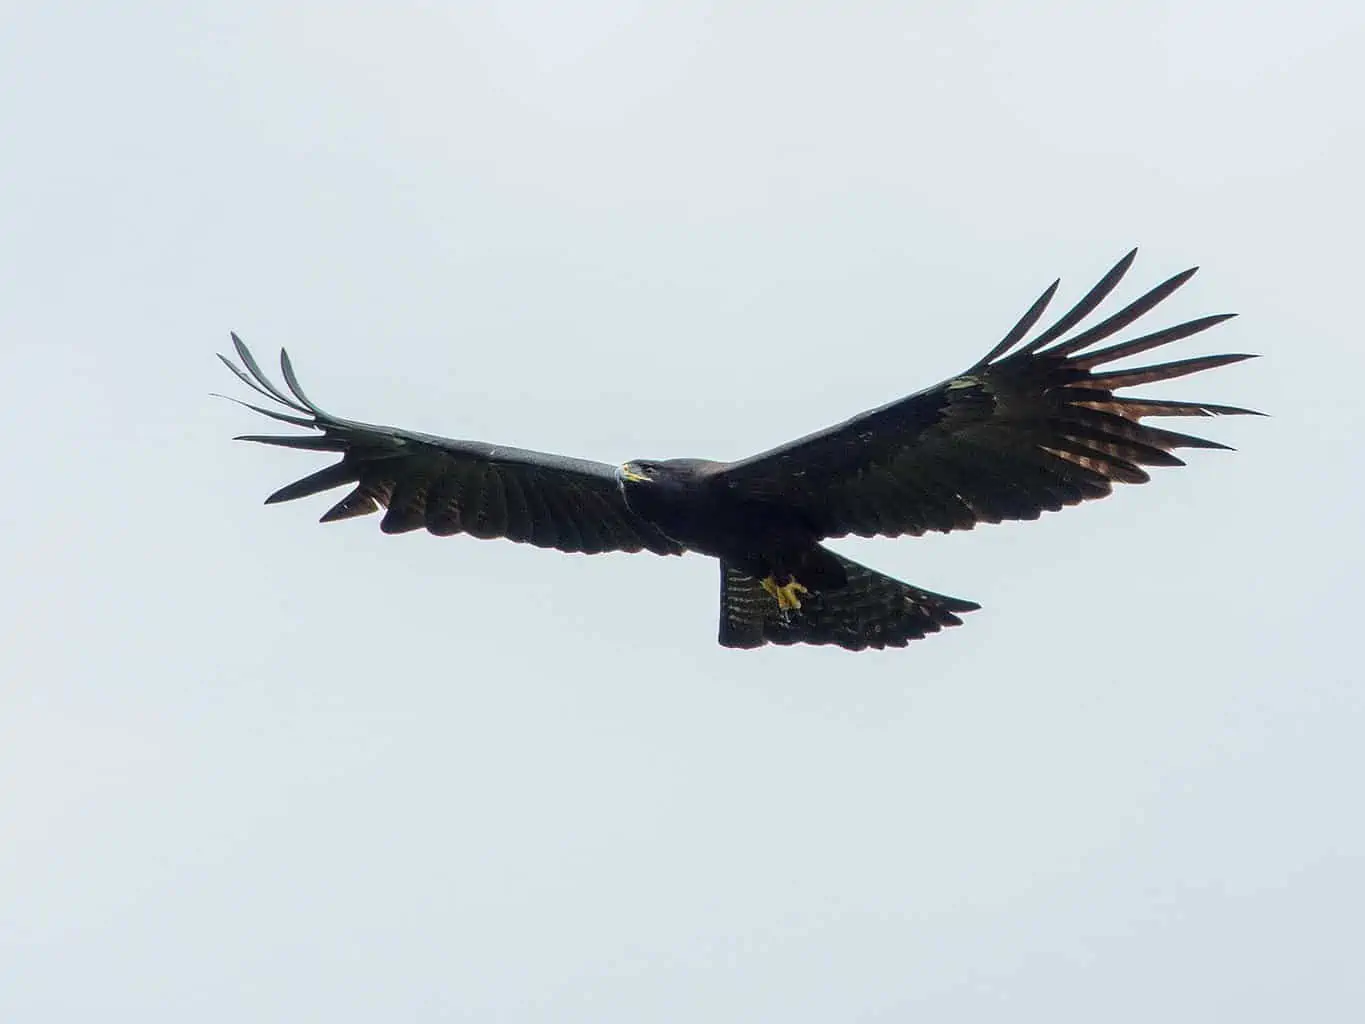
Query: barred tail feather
{"x": 871, "y": 610}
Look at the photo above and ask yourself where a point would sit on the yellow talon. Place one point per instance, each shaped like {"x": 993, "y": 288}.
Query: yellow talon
{"x": 785, "y": 594}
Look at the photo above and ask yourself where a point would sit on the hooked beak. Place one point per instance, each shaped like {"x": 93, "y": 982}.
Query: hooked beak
{"x": 629, "y": 472}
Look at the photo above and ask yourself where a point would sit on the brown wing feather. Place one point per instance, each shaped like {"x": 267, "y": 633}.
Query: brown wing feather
{"x": 1030, "y": 428}
{"x": 448, "y": 486}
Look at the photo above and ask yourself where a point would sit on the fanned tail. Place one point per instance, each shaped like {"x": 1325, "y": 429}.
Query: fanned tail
{"x": 871, "y": 610}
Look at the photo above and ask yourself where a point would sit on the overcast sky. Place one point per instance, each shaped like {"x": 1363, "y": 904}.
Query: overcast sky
{"x": 256, "y": 769}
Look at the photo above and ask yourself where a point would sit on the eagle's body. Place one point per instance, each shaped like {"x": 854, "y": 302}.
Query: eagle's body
{"x": 689, "y": 501}
{"x": 1030, "y": 428}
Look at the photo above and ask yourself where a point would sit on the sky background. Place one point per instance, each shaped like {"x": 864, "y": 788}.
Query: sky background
{"x": 256, "y": 769}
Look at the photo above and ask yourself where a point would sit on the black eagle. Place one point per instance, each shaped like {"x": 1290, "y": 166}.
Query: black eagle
{"x": 1033, "y": 426}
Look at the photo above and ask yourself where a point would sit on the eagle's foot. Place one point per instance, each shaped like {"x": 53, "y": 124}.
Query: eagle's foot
{"x": 786, "y": 594}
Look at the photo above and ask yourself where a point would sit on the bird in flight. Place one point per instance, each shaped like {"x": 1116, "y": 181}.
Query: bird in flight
{"x": 1033, "y": 426}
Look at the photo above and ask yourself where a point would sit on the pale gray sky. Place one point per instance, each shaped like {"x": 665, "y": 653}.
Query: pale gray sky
{"x": 252, "y": 768}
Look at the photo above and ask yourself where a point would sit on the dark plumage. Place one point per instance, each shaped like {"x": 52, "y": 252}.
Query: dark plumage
{"x": 1033, "y": 426}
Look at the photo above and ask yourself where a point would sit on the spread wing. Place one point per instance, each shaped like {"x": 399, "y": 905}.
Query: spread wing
{"x": 449, "y": 486}
{"x": 1033, "y": 426}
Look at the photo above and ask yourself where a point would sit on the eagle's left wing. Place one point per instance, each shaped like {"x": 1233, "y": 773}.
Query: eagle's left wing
{"x": 1031, "y": 427}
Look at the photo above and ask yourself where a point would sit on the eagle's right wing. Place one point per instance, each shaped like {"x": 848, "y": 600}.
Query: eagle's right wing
{"x": 449, "y": 486}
